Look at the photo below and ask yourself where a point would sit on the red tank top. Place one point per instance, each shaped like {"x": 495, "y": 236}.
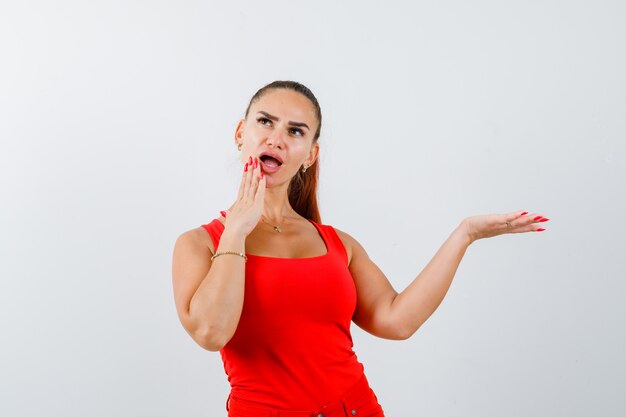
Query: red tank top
{"x": 292, "y": 348}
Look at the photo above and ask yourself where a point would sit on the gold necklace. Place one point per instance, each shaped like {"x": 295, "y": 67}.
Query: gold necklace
{"x": 276, "y": 227}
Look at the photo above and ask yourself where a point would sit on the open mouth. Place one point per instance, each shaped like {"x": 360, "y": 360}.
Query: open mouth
{"x": 270, "y": 162}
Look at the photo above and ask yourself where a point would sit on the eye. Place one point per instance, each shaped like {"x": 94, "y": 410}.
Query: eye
{"x": 262, "y": 120}
{"x": 299, "y": 131}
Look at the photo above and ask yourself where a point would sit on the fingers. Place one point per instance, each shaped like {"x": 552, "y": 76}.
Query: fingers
{"x": 252, "y": 187}
{"x": 259, "y": 197}
{"x": 244, "y": 179}
{"x": 522, "y": 221}
{"x": 253, "y": 172}
{"x": 254, "y": 176}
{"x": 247, "y": 179}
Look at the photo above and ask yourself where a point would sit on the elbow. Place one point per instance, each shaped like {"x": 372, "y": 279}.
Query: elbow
{"x": 210, "y": 345}
{"x": 405, "y": 332}
{"x": 212, "y": 339}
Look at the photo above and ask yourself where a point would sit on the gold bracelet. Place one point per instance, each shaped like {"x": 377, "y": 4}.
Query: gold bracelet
{"x": 243, "y": 255}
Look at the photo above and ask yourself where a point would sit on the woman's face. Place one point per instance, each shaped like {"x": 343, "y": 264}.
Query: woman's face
{"x": 281, "y": 122}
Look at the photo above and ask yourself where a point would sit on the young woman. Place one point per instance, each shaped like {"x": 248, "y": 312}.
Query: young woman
{"x": 274, "y": 290}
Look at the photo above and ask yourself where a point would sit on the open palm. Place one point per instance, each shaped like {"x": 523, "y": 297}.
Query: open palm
{"x": 489, "y": 225}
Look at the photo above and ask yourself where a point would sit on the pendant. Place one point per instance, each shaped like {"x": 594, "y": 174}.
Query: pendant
{"x": 277, "y": 228}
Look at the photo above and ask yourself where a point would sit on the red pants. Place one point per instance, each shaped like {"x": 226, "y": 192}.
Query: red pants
{"x": 360, "y": 401}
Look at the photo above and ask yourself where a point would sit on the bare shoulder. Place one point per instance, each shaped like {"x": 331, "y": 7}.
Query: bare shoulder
{"x": 197, "y": 236}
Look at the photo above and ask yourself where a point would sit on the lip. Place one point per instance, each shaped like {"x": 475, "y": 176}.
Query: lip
{"x": 268, "y": 170}
{"x": 272, "y": 154}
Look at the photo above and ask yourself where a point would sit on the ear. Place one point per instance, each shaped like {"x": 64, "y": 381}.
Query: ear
{"x": 239, "y": 132}
{"x": 313, "y": 153}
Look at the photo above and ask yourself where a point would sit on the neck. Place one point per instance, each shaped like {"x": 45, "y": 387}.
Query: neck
{"x": 276, "y": 206}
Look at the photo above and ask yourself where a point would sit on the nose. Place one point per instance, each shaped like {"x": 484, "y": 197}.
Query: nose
{"x": 275, "y": 138}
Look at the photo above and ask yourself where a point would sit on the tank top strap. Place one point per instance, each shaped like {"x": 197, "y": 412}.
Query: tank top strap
{"x": 332, "y": 239}
{"x": 215, "y": 228}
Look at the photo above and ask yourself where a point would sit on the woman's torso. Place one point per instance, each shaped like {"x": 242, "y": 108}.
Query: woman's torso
{"x": 292, "y": 348}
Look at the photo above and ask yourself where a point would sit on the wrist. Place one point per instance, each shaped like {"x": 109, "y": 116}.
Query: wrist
{"x": 465, "y": 233}
{"x": 234, "y": 234}
{"x": 232, "y": 240}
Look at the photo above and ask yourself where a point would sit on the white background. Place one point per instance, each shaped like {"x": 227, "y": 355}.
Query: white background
{"x": 116, "y": 128}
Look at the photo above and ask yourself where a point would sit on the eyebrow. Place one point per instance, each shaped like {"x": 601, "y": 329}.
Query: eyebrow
{"x": 292, "y": 123}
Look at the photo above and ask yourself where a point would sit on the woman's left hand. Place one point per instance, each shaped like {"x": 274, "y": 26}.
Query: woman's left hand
{"x": 489, "y": 225}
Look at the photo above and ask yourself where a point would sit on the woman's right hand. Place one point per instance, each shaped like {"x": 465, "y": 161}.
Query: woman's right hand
{"x": 243, "y": 216}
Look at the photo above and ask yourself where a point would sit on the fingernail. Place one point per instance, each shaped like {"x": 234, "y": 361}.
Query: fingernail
{"x": 245, "y": 168}
{"x": 537, "y": 218}
{"x": 262, "y": 174}
{"x": 256, "y": 163}
{"x": 524, "y": 213}
{"x": 250, "y": 160}
{"x": 540, "y": 229}
{"x": 223, "y": 213}
{"x": 545, "y": 219}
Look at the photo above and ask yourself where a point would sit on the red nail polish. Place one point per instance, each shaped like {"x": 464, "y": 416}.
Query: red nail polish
{"x": 524, "y": 213}
{"x": 245, "y": 168}
{"x": 256, "y": 163}
{"x": 537, "y": 218}
{"x": 223, "y": 213}
{"x": 262, "y": 174}
{"x": 250, "y": 160}
{"x": 544, "y": 219}
{"x": 540, "y": 229}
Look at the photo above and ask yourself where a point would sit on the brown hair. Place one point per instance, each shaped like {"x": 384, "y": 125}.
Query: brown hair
{"x": 302, "y": 189}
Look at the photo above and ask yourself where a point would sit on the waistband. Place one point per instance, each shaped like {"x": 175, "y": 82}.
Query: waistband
{"x": 359, "y": 400}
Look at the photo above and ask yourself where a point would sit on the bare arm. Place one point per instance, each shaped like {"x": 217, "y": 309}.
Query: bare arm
{"x": 386, "y": 313}
{"x": 209, "y": 294}
{"x": 419, "y": 300}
